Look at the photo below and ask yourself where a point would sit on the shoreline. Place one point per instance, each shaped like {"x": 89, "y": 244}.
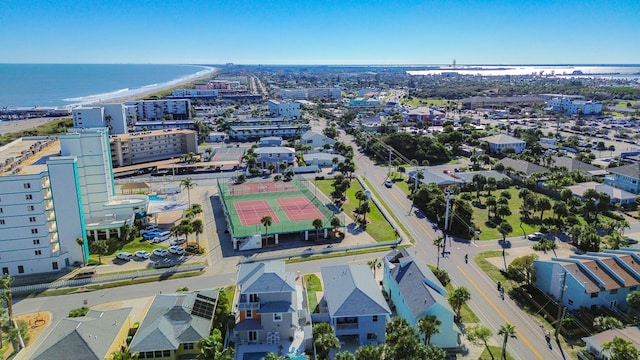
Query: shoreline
{"x": 17, "y": 125}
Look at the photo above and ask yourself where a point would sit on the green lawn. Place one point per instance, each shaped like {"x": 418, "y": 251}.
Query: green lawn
{"x": 50, "y": 128}
{"x": 391, "y": 213}
{"x": 429, "y": 102}
{"x": 489, "y": 231}
{"x": 313, "y": 285}
{"x": 378, "y": 227}
{"x": 468, "y": 316}
{"x": 496, "y": 351}
{"x": 116, "y": 246}
{"x": 624, "y": 103}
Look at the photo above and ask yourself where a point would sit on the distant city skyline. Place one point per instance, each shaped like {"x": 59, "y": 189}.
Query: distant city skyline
{"x": 392, "y": 32}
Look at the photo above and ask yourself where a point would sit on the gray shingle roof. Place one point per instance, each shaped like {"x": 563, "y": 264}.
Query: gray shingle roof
{"x": 632, "y": 170}
{"x": 523, "y": 166}
{"x": 170, "y": 322}
{"x": 265, "y": 277}
{"x": 418, "y": 286}
{"x": 573, "y": 164}
{"x": 83, "y": 338}
{"x": 502, "y": 139}
{"x": 351, "y": 290}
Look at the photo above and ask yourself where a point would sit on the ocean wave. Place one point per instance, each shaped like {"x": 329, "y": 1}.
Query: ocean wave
{"x": 126, "y": 92}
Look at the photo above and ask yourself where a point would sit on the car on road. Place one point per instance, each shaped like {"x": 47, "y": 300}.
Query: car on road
{"x": 388, "y": 183}
{"x": 141, "y": 254}
{"x": 175, "y": 249}
{"x": 160, "y": 252}
{"x": 536, "y": 236}
{"x": 178, "y": 241}
{"x": 631, "y": 241}
{"x": 124, "y": 256}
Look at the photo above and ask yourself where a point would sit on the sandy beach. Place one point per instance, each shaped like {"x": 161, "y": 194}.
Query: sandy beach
{"x": 7, "y": 126}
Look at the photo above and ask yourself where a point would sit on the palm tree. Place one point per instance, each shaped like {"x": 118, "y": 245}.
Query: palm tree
{"x": 374, "y": 264}
{"x": 317, "y": 224}
{"x": 101, "y": 247}
{"x": 438, "y": 242}
{"x": 507, "y": 331}
{"x": 212, "y": 347}
{"x": 543, "y": 204}
{"x": 479, "y": 335}
{"x": 325, "y": 339}
{"x": 457, "y": 298}
{"x": 335, "y": 223}
{"x": 198, "y": 228}
{"x": 194, "y": 210}
{"x": 185, "y": 228}
{"x": 5, "y": 284}
{"x": 428, "y": 326}
{"x": 123, "y": 355}
{"x": 80, "y": 242}
{"x": 266, "y": 221}
{"x": 621, "y": 349}
{"x": 188, "y": 184}
{"x": 505, "y": 229}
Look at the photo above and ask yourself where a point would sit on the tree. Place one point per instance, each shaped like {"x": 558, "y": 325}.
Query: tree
{"x": 271, "y": 356}
{"x": 325, "y": 339}
{"x": 374, "y": 264}
{"x": 344, "y": 355}
{"x": 188, "y": 184}
{"x": 478, "y": 182}
{"x": 198, "y": 228}
{"x": 505, "y": 229}
{"x": 194, "y": 210}
{"x": 101, "y": 247}
{"x": 543, "y": 204}
{"x": 457, "y": 298}
{"x": 369, "y": 352}
{"x": 603, "y": 323}
{"x": 335, "y": 223}
{"x": 402, "y": 341}
{"x": 621, "y": 349}
{"x": 479, "y": 335}
{"x": 428, "y": 326}
{"x": 266, "y": 221}
{"x": 507, "y": 331}
{"x": 522, "y": 269}
{"x": 438, "y": 242}
{"x": 433, "y": 352}
{"x": 80, "y": 242}
{"x": 123, "y": 355}
{"x": 633, "y": 300}
{"x": 5, "y": 284}
{"x": 317, "y": 224}
{"x": 212, "y": 348}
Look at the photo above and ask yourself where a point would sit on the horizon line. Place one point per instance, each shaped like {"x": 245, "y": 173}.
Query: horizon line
{"x": 336, "y": 64}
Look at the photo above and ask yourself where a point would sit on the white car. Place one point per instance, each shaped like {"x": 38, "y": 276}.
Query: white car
{"x": 177, "y": 250}
{"x": 160, "y": 252}
{"x": 178, "y": 241}
{"x": 388, "y": 183}
{"x": 141, "y": 254}
{"x": 124, "y": 256}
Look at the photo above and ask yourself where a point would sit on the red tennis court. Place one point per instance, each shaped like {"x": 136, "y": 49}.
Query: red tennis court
{"x": 299, "y": 208}
{"x": 258, "y": 187}
{"x": 251, "y": 212}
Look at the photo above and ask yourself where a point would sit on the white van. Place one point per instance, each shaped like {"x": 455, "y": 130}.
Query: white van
{"x": 165, "y": 235}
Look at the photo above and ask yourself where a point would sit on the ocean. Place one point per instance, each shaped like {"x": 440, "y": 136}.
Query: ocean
{"x": 54, "y": 85}
{"x": 628, "y": 72}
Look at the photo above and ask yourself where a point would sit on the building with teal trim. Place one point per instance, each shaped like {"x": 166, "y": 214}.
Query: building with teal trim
{"x": 54, "y": 191}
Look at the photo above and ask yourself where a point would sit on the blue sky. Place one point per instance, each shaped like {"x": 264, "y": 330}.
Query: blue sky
{"x": 321, "y": 32}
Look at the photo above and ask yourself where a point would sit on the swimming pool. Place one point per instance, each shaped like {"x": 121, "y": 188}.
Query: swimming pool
{"x": 156, "y": 197}
{"x": 254, "y": 356}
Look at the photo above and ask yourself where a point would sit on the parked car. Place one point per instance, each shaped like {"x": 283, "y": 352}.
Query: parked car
{"x": 124, "y": 256}
{"x": 142, "y": 254}
{"x": 160, "y": 252}
{"x": 175, "y": 249}
{"x": 150, "y": 228}
{"x": 388, "y": 183}
{"x": 150, "y": 235}
{"x": 178, "y": 241}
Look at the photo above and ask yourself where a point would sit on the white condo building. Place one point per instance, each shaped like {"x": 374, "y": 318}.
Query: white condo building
{"x": 54, "y": 191}
{"x": 145, "y": 146}
{"x": 112, "y": 116}
{"x": 572, "y": 106}
{"x": 284, "y": 108}
{"x": 155, "y": 110}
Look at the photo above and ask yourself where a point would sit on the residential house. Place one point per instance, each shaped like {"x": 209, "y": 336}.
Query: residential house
{"x": 425, "y": 114}
{"x": 316, "y": 139}
{"x": 431, "y": 177}
{"x": 268, "y": 306}
{"x": 270, "y": 141}
{"x": 355, "y": 303}
{"x": 322, "y": 159}
{"x": 625, "y": 177}
{"x": 595, "y": 342}
{"x": 591, "y": 280}
{"x": 467, "y": 176}
{"x": 174, "y": 324}
{"x": 521, "y": 168}
{"x": 415, "y": 292}
{"x": 617, "y": 196}
{"x": 275, "y": 155}
{"x": 572, "y": 164}
{"x": 501, "y": 142}
{"x": 91, "y": 337}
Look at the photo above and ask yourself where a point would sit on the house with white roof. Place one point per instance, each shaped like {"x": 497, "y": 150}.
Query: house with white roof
{"x": 499, "y": 143}
{"x": 275, "y": 155}
{"x": 316, "y": 139}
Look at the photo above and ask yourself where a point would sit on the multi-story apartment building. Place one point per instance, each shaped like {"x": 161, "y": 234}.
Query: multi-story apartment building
{"x": 156, "y": 110}
{"x": 195, "y": 93}
{"x": 54, "y": 191}
{"x": 112, "y": 116}
{"x": 145, "y": 146}
{"x": 284, "y": 108}
{"x": 333, "y": 93}
{"x": 256, "y": 128}
{"x": 572, "y": 106}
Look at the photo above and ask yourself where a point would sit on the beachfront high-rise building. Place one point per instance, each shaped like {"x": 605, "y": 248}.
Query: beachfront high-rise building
{"x": 145, "y": 146}
{"x": 112, "y": 116}
{"x": 54, "y": 191}
{"x": 158, "y": 110}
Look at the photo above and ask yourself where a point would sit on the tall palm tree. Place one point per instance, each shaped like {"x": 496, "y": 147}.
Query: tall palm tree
{"x": 212, "y": 347}
{"x": 188, "y": 184}
{"x": 80, "y": 242}
{"x": 194, "y": 210}
{"x": 507, "y": 331}
{"x": 317, "y": 224}
{"x": 198, "y": 228}
{"x": 5, "y": 284}
{"x": 266, "y": 221}
{"x": 428, "y": 326}
{"x": 438, "y": 242}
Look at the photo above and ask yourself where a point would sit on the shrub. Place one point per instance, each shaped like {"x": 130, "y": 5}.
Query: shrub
{"x": 79, "y": 312}
{"x": 194, "y": 249}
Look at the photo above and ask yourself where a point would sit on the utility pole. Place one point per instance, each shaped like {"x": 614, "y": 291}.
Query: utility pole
{"x": 389, "y": 171}
{"x": 560, "y": 307}
{"x": 448, "y": 195}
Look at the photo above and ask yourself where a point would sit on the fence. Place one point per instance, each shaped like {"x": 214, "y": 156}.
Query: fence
{"x": 60, "y": 284}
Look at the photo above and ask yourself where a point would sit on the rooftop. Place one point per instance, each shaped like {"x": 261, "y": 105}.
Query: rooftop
{"x": 27, "y": 155}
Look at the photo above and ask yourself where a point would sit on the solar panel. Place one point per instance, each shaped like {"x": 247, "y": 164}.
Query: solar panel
{"x": 204, "y": 297}
{"x": 203, "y": 309}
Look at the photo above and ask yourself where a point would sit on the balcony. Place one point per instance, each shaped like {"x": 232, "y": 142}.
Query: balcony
{"x": 48, "y": 205}
{"x": 346, "y": 326}
{"x": 248, "y": 305}
{"x": 46, "y": 194}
